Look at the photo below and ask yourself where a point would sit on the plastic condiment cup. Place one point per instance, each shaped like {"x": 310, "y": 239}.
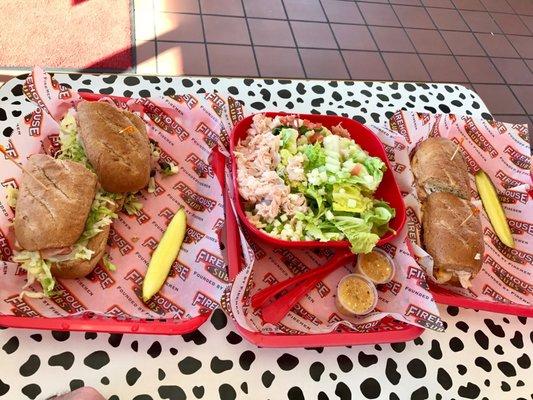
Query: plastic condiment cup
{"x": 342, "y": 301}
{"x": 359, "y": 268}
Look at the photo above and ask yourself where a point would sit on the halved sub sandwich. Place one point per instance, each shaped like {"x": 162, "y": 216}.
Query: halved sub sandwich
{"x": 61, "y": 221}
{"x": 439, "y": 167}
{"x": 453, "y": 237}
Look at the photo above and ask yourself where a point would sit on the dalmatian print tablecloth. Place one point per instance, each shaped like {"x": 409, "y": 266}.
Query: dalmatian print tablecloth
{"x": 481, "y": 356}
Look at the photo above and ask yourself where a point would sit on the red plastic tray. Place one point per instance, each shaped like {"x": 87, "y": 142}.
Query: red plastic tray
{"x": 389, "y": 331}
{"x": 95, "y": 323}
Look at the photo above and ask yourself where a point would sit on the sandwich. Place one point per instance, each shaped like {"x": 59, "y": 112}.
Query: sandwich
{"x": 439, "y": 167}
{"x": 453, "y": 236}
{"x": 116, "y": 145}
{"x": 61, "y": 221}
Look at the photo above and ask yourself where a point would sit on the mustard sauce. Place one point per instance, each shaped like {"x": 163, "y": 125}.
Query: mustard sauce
{"x": 355, "y": 295}
{"x": 376, "y": 266}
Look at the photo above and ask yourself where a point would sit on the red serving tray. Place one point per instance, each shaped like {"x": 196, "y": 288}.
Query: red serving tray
{"x": 389, "y": 331}
{"x": 96, "y": 323}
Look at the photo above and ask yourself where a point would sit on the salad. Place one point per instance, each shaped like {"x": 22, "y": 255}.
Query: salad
{"x": 302, "y": 181}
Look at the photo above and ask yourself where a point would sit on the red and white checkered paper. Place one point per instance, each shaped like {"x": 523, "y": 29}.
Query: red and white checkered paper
{"x": 187, "y": 128}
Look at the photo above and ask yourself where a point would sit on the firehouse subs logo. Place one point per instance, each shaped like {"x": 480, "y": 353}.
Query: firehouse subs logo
{"x": 522, "y": 132}
{"x": 520, "y": 227}
{"x": 477, "y": 137}
{"x": 192, "y": 235}
{"x": 235, "y": 110}
{"x": 213, "y": 264}
{"x": 425, "y": 318}
{"x": 117, "y": 312}
{"x": 142, "y": 217}
{"x": 397, "y": 123}
{"x": 506, "y": 181}
{"x": 116, "y": 240}
{"x": 306, "y": 315}
{"x": 259, "y": 253}
{"x": 512, "y": 196}
{"x": 158, "y": 303}
{"x": 51, "y": 145}
{"x": 66, "y": 300}
{"x": 194, "y": 200}
{"x": 434, "y": 132}
{"x": 490, "y": 291}
{"x": 5, "y": 250}
{"x": 289, "y": 331}
{"x": 413, "y": 226}
{"x": 515, "y": 255}
{"x": 34, "y": 121}
{"x": 188, "y": 99}
{"x": 217, "y": 102}
{"x": 102, "y": 276}
{"x": 500, "y": 127}
{"x": 423, "y": 117}
{"x": 390, "y": 249}
{"x": 63, "y": 91}
{"x": 270, "y": 279}
{"x": 201, "y": 168}
{"x": 210, "y": 137}
{"x": 150, "y": 242}
{"x": 218, "y": 224}
{"x": 163, "y": 120}
{"x": 179, "y": 270}
{"x": 296, "y": 266}
{"x": 473, "y": 166}
{"x": 509, "y": 279}
{"x": 520, "y": 160}
{"x": 204, "y": 301}
{"x": 20, "y": 308}
{"x": 393, "y": 286}
{"x": 10, "y": 150}
{"x": 419, "y": 276}
{"x": 30, "y": 92}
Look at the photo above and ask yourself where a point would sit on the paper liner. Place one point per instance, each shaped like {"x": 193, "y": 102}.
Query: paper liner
{"x": 406, "y": 298}
{"x": 502, "y": 151}
{"x": 187, "y": 128}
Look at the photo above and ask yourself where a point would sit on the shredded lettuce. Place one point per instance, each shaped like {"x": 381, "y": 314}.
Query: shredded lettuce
{"x": 71, "y": 147}
{"x": 37, "y": 270}
{"x": 132, "y": 205}
{"x": 108, "y": 264}
{"x": 168, "y": 169}
{"x": 12, "y": 196}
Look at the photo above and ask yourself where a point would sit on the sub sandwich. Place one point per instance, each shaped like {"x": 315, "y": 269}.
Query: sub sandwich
{"x": 452, "y": 232}
{"x": 65, "y": 205}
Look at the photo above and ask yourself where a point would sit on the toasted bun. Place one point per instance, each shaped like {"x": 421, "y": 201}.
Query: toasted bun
{"x": 72, "y": 269}
{"x": 454, "y": 244}
{"x": 121, "y": 160}
{"x": 435, "y": 171}
{"x": 53, "y": 215}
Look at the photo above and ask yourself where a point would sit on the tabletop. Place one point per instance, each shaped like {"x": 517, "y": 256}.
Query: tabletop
{"x": 481, "y": 355}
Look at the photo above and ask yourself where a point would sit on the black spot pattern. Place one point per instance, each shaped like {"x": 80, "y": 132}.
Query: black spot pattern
{"x": 420, "y": 394}
{"x": 444, "y": 378}
{"x": 246, "y": 359}
{"x": 154, "y": 350}
{"x": 498, "y": 349}
{"x": 316, "y": 370}
{"x": 366, "y": 360}
{"x": 524, "y": 361}
{"x": 76, "y": 384}
{"x": 31, "y": 366}
{"x": 456, "y": 344}
{"x": 60, "y": 336}
{"x": 135, "y": 346}
{"x": 461, "y": 369}
{"x": 90, "y": 335}
{"x": 196, "y": 337}
{"x": 345, "y": 364}
{"x": 483, "y": 363}
{"x": 244, "y": 387}
{"x": 4, "y": 388}
{"x": 517, "y": 340}
{"x": 435, "y": 351}
{"x": 370, "y": 388}
{"x": 11, "y": 345}
{"x": 132, "y": 376}
{"x": 189, "y": 365}
{"x": 218, "y": 366}
{"x": 287, "y": 362}
{"x": 97, "y": 359}
{"x": 65, "y": 360}
{"x": 497, "y": 330}
{"x": 115, "y": 339}
{"x": 31, "y": 391}
{"x": 233, "y": 338}
{"x": 131, "y": 81}
{"x": 219, "y": 319}
{"x": 198, "y": 391}
{"x": 226, "y": 392}
{"x": 295, "y": 393}
{"x": 391, "y": 372}
{"x": 470, "y": 391}
{"x": 482, "y": 339}
{"x": 507, "y": 368}
{"x": 267, "y": 378}
{"x": 416, "y": 368}
{"x": 171, "y": 393}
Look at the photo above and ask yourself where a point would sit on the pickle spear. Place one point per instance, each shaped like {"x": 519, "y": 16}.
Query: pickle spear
{"x": 164, "y": 255}
{"x": 494, "y": 209}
